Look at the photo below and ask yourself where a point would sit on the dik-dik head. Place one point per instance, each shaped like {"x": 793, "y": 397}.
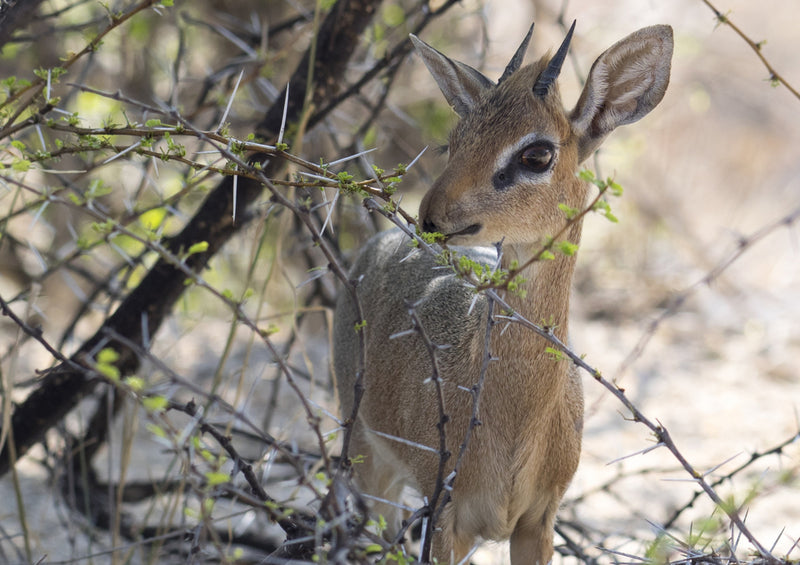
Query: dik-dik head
{"x": 514, "y": 153}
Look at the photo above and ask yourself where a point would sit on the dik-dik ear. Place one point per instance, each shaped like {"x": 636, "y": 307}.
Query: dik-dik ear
{"x": 625, "y": 83}
{"x": 461, "y": 85}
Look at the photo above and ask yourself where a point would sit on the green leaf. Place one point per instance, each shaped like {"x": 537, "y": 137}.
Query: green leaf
{"x": 152, "y": 219}
{"x": 104, "y": 228}
{"x": 199, "y": 247}
{"x": 105, "y": 364}
{"x": 431, "y": 237}
{"x": 136, "y": 384}
{"x": 567, "y": 248}
{"x": 155, "y": 403}
{"x": 157, "y": 431}
{"x": 21, "y": 165}
{"x": 111, "y": 372}
{"x": 269, "y": 330}
{"x": 215, "y": 478}
{"x": 555, "y": 354}
{"x": 107, "y": 355}
{"x": 569, "y": 211}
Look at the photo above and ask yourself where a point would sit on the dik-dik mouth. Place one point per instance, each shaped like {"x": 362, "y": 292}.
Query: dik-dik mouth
{"x": 469, "y": 230}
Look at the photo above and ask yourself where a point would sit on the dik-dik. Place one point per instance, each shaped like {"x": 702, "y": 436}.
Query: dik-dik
{"x": 513, "y": 158}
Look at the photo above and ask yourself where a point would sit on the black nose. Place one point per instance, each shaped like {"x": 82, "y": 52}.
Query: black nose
{"x": 428, "y": 225}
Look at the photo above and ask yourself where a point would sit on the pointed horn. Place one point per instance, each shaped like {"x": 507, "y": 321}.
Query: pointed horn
{"x": 550, "y": 74}
{"x": 516, "y": 60}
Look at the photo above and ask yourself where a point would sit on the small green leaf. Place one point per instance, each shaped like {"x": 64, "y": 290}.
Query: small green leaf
{"x": 104, "y": 228}
{"x": 107, "y": 355}
{"x": 157, "y": 431}
{"x": 199, "y": 247}
{"x": 21, "y": 165}
{"x": 111, "y": 372}
{"x": 215, "y": 478}
{"x": 431, "y": 237}
{"x": 567, "y": 248}
{"x": 155, "y": 403}
{"x": 614, "y": 187}
{"x": 569, "y": 211}
{"x": 136, "y": 384}
{"x": 269, "y": 330}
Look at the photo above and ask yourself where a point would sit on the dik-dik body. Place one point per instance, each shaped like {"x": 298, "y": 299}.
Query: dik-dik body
{"x": 513, "y": 158}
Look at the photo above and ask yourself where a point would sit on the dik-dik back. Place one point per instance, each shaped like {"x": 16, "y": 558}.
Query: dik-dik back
{"x": 513, "y": 158}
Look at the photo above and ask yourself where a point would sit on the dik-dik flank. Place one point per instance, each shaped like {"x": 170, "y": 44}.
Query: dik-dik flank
{"x": 513, "y": 158}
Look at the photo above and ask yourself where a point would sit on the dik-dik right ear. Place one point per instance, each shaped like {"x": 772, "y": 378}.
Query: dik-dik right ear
{"x": 625, "y": 83}
{"x": 461, "y": 85}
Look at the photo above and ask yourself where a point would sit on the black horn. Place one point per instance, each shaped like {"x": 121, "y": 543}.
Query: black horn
{"x": 516, "y": 60}
{"x": 550, "y": 74}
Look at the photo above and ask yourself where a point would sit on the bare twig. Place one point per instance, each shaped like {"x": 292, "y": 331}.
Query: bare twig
{"x": 774, "y": 76}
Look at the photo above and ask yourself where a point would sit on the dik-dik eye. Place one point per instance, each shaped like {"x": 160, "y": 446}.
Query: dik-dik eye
{"x": 537, "y": 157}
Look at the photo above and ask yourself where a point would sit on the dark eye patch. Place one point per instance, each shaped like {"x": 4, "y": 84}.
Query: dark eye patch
{"x": 536, "y": 158}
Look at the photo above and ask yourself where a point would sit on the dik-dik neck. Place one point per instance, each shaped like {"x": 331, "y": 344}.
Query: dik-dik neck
{"x": 545, "y": 295}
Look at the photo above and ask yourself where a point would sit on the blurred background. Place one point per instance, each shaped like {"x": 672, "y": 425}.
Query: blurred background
{"x": 706, "y": 345}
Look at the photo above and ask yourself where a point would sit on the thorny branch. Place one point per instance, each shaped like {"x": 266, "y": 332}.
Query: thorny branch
{"x": 444, "y": 455}
{"x": 774, "y": 76}
{"x": 39, "y": 85}
{"x": 662, "y": 435}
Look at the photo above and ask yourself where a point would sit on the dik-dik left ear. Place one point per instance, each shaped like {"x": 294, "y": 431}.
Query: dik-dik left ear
{"x": 461, "y": 85}
{"x": 625, "y": 83}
